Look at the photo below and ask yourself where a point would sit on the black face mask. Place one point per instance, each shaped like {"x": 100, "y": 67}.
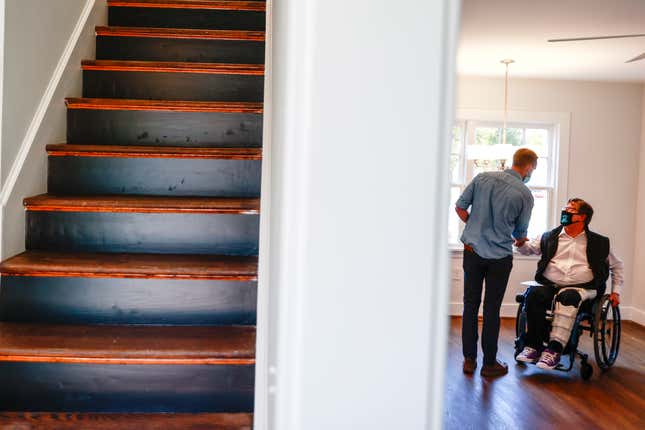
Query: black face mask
{"x": 566, "y": 218}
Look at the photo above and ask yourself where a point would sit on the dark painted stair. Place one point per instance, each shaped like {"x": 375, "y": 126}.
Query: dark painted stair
{"x": 205, "y": 14}
{"x": 177, "y": 44}
{"x": 164, "y": 123}
{"x": 134, "y": 304}
{"x": 173, "y": 80}
{"x": 149, "y": 170}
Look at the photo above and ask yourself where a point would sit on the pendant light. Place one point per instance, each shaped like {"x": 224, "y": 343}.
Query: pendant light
{"x": 506, "y": 62}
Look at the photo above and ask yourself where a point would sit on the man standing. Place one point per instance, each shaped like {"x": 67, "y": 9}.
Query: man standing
{"x": 501, "y": 206}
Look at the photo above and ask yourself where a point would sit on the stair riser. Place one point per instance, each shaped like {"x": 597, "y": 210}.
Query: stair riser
{"x": 125, "y": 388}
{"x": 154, "y": 176}
{"x": 185, "y": 50}
{"x": 172, "y": 86}
{"x": 186, "y": 18}
{"x": 143, "y": 232}
{"x": 188, "y": 129}
{"x": 127, "y": 301}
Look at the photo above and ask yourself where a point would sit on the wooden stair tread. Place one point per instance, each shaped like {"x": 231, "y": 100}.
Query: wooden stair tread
{"x": 123, "y": 265}
{"x": 173, "y": 67}
{"x": 180, "y": 33}
{"x": 143, "y": 204}
{"x": 258, "y": 6}
{"x": 126, "y": 344}
{"x": 66, "y": 150}
{"x": 163, "y": 105}
{"x": 111, "y": 421}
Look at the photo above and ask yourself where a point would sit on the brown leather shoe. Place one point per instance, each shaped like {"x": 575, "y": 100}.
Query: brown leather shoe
{"x": 470, "y": 364}
{"x": 498, "y": 369}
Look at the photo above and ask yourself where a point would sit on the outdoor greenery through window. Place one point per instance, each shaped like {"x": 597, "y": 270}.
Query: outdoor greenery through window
{"x": 477, "y": 147}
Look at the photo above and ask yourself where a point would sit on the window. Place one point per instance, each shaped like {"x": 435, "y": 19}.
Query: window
{"x": 477, "y": 147}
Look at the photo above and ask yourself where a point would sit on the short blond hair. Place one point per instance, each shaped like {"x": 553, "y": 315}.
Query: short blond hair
{"x": 524, "y": 157}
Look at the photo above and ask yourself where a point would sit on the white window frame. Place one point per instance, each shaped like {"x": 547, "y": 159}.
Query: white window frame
{"x": 558, "y": 124}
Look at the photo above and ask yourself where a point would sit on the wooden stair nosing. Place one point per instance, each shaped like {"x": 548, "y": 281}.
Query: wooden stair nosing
{"x": 110, "y": 421}
{"x": 162, "y": 105}
{"x": 127, "y": 344}
{"x": 143, "y": 204}
{"x": 180, "y": 33}
{"x": 116, "y": 151}
{"x": 135, "y": 266}
{"x": 173, "y": 67}
{"x": 239, "y": 5}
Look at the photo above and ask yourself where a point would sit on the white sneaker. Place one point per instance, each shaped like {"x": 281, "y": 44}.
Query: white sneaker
{"x": 549, "y": 359}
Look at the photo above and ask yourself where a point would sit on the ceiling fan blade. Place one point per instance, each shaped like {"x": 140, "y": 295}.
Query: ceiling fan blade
{"x": 640, "y": 57}
{"x": 577, "y": 39}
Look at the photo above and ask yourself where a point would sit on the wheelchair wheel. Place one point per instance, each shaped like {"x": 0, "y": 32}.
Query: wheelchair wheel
{"x": 606, "y": 332}
{"x": 520, "y": 330}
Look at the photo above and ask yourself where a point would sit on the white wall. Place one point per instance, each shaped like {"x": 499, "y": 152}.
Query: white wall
{"x": 638, "y": 289}
{"x": 362, "y": 99}
{"x": 41, "y": 68}
{"x": 604, "y": 152}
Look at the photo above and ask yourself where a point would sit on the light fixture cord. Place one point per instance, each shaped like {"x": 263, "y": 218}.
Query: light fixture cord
{"x": 505, "y": 104}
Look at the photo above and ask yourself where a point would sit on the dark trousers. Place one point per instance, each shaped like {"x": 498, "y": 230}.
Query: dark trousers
{"x": 495, "y": 273}
{"x": 538, "y": 300}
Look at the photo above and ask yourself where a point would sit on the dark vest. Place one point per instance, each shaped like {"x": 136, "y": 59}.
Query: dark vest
{"x": 597, "y": 253}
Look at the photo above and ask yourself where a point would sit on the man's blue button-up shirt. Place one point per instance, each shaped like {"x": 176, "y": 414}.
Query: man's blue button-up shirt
{"x": 501, "y": 209}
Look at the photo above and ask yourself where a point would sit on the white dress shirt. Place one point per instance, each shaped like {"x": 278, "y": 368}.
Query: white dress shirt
{"x": 569, "y": 265}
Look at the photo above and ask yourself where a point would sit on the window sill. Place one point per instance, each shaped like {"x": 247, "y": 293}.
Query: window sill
{"x": 457, "y": 250}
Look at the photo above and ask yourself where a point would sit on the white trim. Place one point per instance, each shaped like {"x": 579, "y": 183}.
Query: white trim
{"x": 439, "y": 263}
{"x": 2, "y": 32}
{"x": 632, "y": 313}
{"x": 32, "y": 130}
{"x": 263, "y": 371}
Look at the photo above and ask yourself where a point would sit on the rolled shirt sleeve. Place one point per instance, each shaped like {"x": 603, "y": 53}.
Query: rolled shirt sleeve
{"x": 616, "y": 267}
{"x": 522, "y": 222}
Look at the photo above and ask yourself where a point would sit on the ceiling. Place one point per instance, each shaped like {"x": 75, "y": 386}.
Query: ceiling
{"x": 492, "y": 30}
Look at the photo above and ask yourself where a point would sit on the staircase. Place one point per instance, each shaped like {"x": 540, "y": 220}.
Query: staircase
{"x": 134, "y": 305}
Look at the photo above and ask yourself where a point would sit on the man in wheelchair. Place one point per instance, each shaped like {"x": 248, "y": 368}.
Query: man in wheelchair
{"x": 574, "y": 266}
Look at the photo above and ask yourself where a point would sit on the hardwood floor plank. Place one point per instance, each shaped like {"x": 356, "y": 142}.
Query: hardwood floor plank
{"x": 143, "y": 204}
{"x": 116, "y": 151}
{"x": 145, "y": 266}
{"x": 180, "y": 33}
{"x": 173, "y": 67}
{"x": 107, "y": 421}
{"x": 104, "y": 344}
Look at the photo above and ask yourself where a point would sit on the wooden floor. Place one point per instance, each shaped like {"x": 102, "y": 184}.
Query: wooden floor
{"x": 531, "y": 398}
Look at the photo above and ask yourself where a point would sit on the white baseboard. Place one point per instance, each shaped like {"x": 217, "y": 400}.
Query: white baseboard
{"x": 509, "y": 310}
{"x": 631, "y": 313}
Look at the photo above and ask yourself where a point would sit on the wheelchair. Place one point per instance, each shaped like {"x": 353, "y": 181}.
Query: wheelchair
{"x": 597, "y": 316}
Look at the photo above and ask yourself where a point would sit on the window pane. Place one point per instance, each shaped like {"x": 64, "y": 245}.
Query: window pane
{"x": 453, "y": 219}
{"x": 457, "y": 139}
{"x": 486, "y": 136}
{"x": 455, "y": 169}
{"x": 541, "y": 174}
{"x": 537, "y": 140}
{"x": 540, "y": 216}
{"x": 514, "y": 136}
